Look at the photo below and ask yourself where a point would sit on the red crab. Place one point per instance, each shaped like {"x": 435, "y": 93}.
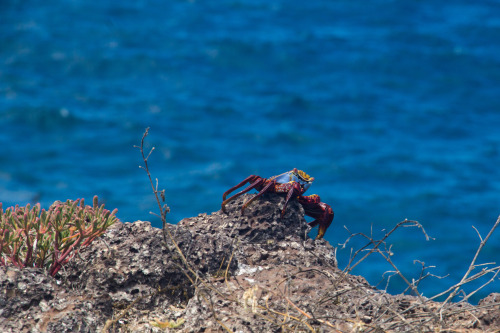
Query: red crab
{"x": 294, "y": 183}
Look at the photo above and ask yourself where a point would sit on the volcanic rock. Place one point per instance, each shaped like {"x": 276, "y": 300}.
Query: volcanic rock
{"x": 239, "y": 272}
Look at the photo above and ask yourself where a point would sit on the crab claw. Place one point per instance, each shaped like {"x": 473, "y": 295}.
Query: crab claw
{"x": 322, "y": 228}
{"x": 324, "y": 220}
{"x": 321, "y": 211}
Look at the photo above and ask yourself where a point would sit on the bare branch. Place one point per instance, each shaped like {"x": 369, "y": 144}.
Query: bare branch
{"x": 473, "y": 265}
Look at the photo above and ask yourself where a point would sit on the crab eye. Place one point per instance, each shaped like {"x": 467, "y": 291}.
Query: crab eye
{"x": 304, "y": 176}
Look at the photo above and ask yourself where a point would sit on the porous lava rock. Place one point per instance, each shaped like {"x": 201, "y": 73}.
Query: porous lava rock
{"x": 260, "y": 236}
{"x": 234, "y": 271}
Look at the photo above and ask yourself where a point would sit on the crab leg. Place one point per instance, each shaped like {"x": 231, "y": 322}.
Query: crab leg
{"x": 264, "y": 190}
{"x": 294, "y": 191}
{"x": 249, "y": 179}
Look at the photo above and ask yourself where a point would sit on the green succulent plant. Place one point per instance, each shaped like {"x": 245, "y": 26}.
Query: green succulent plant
{"x": 30, "y": 237}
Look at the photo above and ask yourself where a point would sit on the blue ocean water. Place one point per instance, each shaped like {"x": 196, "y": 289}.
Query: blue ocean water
{"x": 393, "y": 107}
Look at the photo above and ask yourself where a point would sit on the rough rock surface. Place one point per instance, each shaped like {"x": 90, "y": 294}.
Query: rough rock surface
{"x": 245, "y": 273}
